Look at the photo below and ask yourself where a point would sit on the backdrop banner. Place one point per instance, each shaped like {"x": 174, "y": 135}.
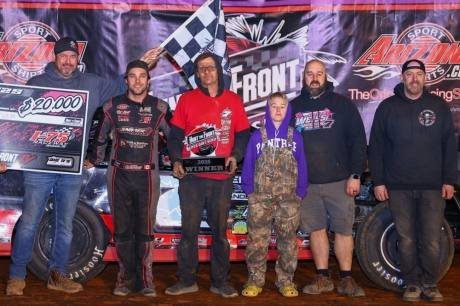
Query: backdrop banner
{"x": 363, "y": 44}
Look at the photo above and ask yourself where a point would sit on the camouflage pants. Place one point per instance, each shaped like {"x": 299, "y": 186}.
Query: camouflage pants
{"x": 261, "y": 212}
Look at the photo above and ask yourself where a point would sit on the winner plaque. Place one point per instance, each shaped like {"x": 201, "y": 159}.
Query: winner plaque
{"x": 209, "y": 164}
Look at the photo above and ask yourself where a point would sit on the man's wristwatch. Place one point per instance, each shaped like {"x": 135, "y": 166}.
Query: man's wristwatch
{"x": 356, "y": 176}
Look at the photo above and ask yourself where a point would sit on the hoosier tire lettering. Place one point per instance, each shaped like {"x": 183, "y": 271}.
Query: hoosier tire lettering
{"x": 377, "y": 252}
{"x": 379, "y": 268}
{"x": 98, "y": 255}
{"x": 88, "y": 246}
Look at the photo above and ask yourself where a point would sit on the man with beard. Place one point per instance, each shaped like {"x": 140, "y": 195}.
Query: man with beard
{"x": 413, "y": 161}
{"x": 62, "y": 73}
{"x": 133, "y": 179}
{"x": 221, "y": 113}
{"x": 335, "y": 149}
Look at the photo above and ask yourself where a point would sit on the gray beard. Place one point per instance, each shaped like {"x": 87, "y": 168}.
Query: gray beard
{"x": 317, "y": 91}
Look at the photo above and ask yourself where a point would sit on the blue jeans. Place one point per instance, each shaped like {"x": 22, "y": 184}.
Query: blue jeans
{"x": 418, "y": 217}
{"x": 195, "y": 194}
{"x": 37, "y": 189}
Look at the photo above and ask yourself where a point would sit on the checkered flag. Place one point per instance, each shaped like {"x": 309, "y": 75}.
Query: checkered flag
{"x": 203, "y": 32}
{"x": 64, "y": 129}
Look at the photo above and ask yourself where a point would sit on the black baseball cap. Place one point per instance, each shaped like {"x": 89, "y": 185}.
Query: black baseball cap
{"x": 407, "y": 67}
{"x": 66, "y": 44}
{"x": 137, "y": 64}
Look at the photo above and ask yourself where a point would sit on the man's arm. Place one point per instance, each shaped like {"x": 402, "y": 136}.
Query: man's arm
{"x": 449, "y": 148}
{"x": 165, "y": 124}
{"x": 101, "y": 138}
{"x": 247, "y": 175}
{"x": 376, "y": 151}
{"x": 175, "y": 145}
{"x": 151, "y": 56}
{"x": 302, "y": 173}
{"x": 241, "y": 136}
{"x": 356, "y": 141}
{"x": 112, "y": 88}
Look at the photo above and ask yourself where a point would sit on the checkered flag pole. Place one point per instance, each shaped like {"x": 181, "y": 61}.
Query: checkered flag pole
{"x": 203, "y": 32}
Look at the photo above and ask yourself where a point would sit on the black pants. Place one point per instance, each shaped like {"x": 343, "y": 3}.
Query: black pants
{"x": 418, "y": 216}
{"x": 195, "y": 194}
{"x": 134, "y": 199}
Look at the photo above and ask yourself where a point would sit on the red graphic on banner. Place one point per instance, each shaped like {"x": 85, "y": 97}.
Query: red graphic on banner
{"x": 27, "y": 47}
{"x": 427, "y": 42}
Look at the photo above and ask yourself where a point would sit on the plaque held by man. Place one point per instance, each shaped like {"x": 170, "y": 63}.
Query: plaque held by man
{"x": 204, "y": 164}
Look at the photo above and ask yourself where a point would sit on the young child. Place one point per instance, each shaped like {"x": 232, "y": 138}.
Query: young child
{"x": 275, "y": 179}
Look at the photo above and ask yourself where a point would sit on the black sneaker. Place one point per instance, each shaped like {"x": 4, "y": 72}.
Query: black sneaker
{"x": 431, "y": 293}
{"x": 226, "y": 291}
{"x": 180, "y": 288}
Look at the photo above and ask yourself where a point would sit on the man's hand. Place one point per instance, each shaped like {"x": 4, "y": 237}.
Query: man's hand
{"x": 178, "y": 170}
{"x": 447, "y": 191}
{"x": 88, "y": 165}
{"x": 353, "y": 186}
{"x": 381, "y": 193}
{"x": 3, "y": 168}
{"x": 151, "y": 56}
{"x": 231, "y": 161}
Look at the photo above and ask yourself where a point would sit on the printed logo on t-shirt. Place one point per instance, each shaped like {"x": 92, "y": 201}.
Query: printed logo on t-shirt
{"x": 308, "y": 121}
{"x": 427, "y": 117}
{"x": 226, "y": 124}
{"x": 202, "y": 140}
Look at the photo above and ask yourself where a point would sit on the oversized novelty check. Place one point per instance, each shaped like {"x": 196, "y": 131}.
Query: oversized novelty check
{"x": 42, "y": 129}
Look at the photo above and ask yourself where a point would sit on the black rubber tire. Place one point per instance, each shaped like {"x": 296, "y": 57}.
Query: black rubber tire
{"x": 89, "y": 243}
{"x": 377, "y": 249}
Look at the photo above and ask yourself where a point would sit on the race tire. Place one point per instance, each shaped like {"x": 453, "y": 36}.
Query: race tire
{"x": 377, "y": 249}
{"x": 89, "y": 243}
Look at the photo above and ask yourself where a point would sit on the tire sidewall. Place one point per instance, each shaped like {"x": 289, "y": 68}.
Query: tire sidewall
{"x": 89, "y": 243}
{"x": 377, "y": 252}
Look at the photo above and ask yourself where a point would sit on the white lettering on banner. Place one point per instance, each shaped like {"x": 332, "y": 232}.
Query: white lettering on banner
{"x": 447, "y": 95}
{"x": 374, "y": 94}
{"x": 265, "y": 81}
{"x": 172, "y": 101}
{"x": 8, "y": 157}
{"x": 32, "y": 29}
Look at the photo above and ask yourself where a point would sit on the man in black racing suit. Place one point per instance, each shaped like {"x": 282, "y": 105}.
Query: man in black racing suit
{"x": 133, "y": 181}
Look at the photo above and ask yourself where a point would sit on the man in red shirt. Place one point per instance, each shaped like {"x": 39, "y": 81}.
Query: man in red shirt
{"x": 208, "y": 121}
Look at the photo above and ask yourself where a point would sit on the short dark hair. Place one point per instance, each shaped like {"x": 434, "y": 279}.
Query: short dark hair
{"x": 203, "y": 56}
{"x": 137, "y": 64}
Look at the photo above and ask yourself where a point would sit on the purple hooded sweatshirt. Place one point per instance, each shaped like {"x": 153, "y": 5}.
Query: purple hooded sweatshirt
{"x": 254, "y": 150}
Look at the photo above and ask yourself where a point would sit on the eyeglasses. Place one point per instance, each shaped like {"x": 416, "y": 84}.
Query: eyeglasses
{"x": 209, "y": 68}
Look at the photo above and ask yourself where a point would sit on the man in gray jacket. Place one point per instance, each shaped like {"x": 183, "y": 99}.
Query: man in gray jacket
{"x": 62, "y": 73}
